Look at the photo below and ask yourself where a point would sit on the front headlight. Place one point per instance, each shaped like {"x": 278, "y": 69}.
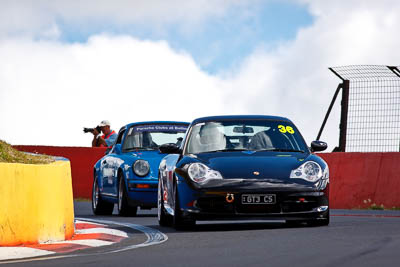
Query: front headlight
{"x": 141, "y": 167}
{"x": 199, "y": 173}
{"x": 309, "y": 171}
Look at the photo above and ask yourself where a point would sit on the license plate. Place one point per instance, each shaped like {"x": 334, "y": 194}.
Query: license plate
{"x": 258, "y": 199}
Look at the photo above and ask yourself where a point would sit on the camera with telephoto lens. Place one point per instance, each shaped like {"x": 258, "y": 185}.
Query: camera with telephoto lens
{"x": 91, "y": 130}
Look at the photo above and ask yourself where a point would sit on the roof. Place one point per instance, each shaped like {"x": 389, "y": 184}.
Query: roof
{"x": 157, "y": 122}
{"x": 240, "y": 117}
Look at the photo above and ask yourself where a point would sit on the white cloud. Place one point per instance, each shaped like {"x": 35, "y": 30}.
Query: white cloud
{"x": 51, "y": 90}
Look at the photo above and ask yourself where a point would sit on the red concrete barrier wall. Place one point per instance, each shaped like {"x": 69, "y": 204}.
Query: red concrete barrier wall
{"x": 82, "y": 160}
{"x": 362, "y": 180}
{"x": 357, "y": 180}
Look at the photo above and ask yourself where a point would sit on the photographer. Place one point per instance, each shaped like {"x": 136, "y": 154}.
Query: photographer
{"x": 108, "y": 137}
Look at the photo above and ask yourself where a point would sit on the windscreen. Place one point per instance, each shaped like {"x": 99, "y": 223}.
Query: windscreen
{"x": 255, "y": 135}
{"x": 151, "y": 136}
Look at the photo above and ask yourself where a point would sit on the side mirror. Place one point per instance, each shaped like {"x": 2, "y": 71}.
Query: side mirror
{"x": 169, "y": 148}
{"x": 318, "y": 146}
{"x": 117, "y": 149}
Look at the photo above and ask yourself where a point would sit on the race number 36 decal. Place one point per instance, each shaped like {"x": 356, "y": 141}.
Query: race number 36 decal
{"x": 285, "y": 129}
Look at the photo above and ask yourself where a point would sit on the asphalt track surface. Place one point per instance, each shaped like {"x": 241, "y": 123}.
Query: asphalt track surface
{"x": 353, "y": 238}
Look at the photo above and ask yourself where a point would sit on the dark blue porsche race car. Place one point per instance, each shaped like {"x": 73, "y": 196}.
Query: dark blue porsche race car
{"x": 128, "y": 174}
{"x": 243, "y": 167}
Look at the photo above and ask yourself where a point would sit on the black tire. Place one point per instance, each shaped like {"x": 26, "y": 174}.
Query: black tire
{"x": 123, "y": 207}
{"x": 99, "y": 206}
{"x": 179, "y": 221}
{"x": 164, "y": 219}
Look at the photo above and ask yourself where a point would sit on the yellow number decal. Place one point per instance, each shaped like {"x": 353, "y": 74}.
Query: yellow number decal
{"x": 284, "y": 129}
{"x": 289, "y": 130}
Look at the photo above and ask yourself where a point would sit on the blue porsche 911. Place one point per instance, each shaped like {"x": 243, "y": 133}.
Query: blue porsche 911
{"x": 243, "y": 167}
{"x": 128, "y": 174}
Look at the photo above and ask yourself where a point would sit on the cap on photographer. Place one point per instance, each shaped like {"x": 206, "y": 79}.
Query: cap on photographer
{"x": 108, "y": 137}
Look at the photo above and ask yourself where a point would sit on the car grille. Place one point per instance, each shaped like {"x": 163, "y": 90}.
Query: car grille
{"x": 293, "y": 205}
{"x": 214, "y": 204}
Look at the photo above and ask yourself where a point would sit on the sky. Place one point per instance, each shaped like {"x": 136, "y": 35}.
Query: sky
{"x": 65, "y": 65}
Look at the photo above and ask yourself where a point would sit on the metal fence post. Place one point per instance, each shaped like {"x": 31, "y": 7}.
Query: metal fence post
{"x": 329, "y": 111}
{"x": 343, "y": 115}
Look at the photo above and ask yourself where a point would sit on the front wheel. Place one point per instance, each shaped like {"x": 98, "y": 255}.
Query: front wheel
{"x": 99, "y": 206}
{"x": 123, "y": 207}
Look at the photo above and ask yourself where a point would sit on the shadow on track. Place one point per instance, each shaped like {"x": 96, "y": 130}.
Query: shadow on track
{"x": 231, "y": 226}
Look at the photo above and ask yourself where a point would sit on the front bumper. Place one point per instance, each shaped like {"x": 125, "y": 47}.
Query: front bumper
{"x": 292, "y": 203}
{"x": 142, "y": 193}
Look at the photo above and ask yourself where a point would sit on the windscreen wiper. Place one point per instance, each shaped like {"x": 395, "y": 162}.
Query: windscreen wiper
{"x": 227, "y": 150}
{"x": 138, "y": 148}
{"x": 282, "y": 150}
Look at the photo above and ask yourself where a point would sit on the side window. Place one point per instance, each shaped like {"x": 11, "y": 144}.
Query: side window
{"x": 120, "y": 136}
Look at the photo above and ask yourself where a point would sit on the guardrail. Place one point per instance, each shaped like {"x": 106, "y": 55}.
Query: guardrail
{"x": 357, "y": 180}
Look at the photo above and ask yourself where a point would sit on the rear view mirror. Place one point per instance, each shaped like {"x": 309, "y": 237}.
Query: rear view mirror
{"x": 243, "y": 129}
{"x": 318, "y": 146}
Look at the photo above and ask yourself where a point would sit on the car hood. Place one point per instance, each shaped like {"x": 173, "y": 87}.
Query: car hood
{"x": 254, "y": 165}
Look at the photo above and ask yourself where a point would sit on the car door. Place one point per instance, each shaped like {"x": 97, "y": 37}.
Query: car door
{"x": 110, "y": 165}
{"x": 107, "y": 173}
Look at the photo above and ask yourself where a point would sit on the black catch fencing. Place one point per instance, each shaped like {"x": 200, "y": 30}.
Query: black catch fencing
{"x": 370, "y": 108}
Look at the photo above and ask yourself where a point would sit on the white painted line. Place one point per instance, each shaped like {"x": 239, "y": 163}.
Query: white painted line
{"x": 87, "y": 242}
{"x": 102, "y": 231}
{"x": 239, "y": 221}
{"x": 99, "y": 224}
{"x": 8, "y": 253}
{"x": 154, "y": 236}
